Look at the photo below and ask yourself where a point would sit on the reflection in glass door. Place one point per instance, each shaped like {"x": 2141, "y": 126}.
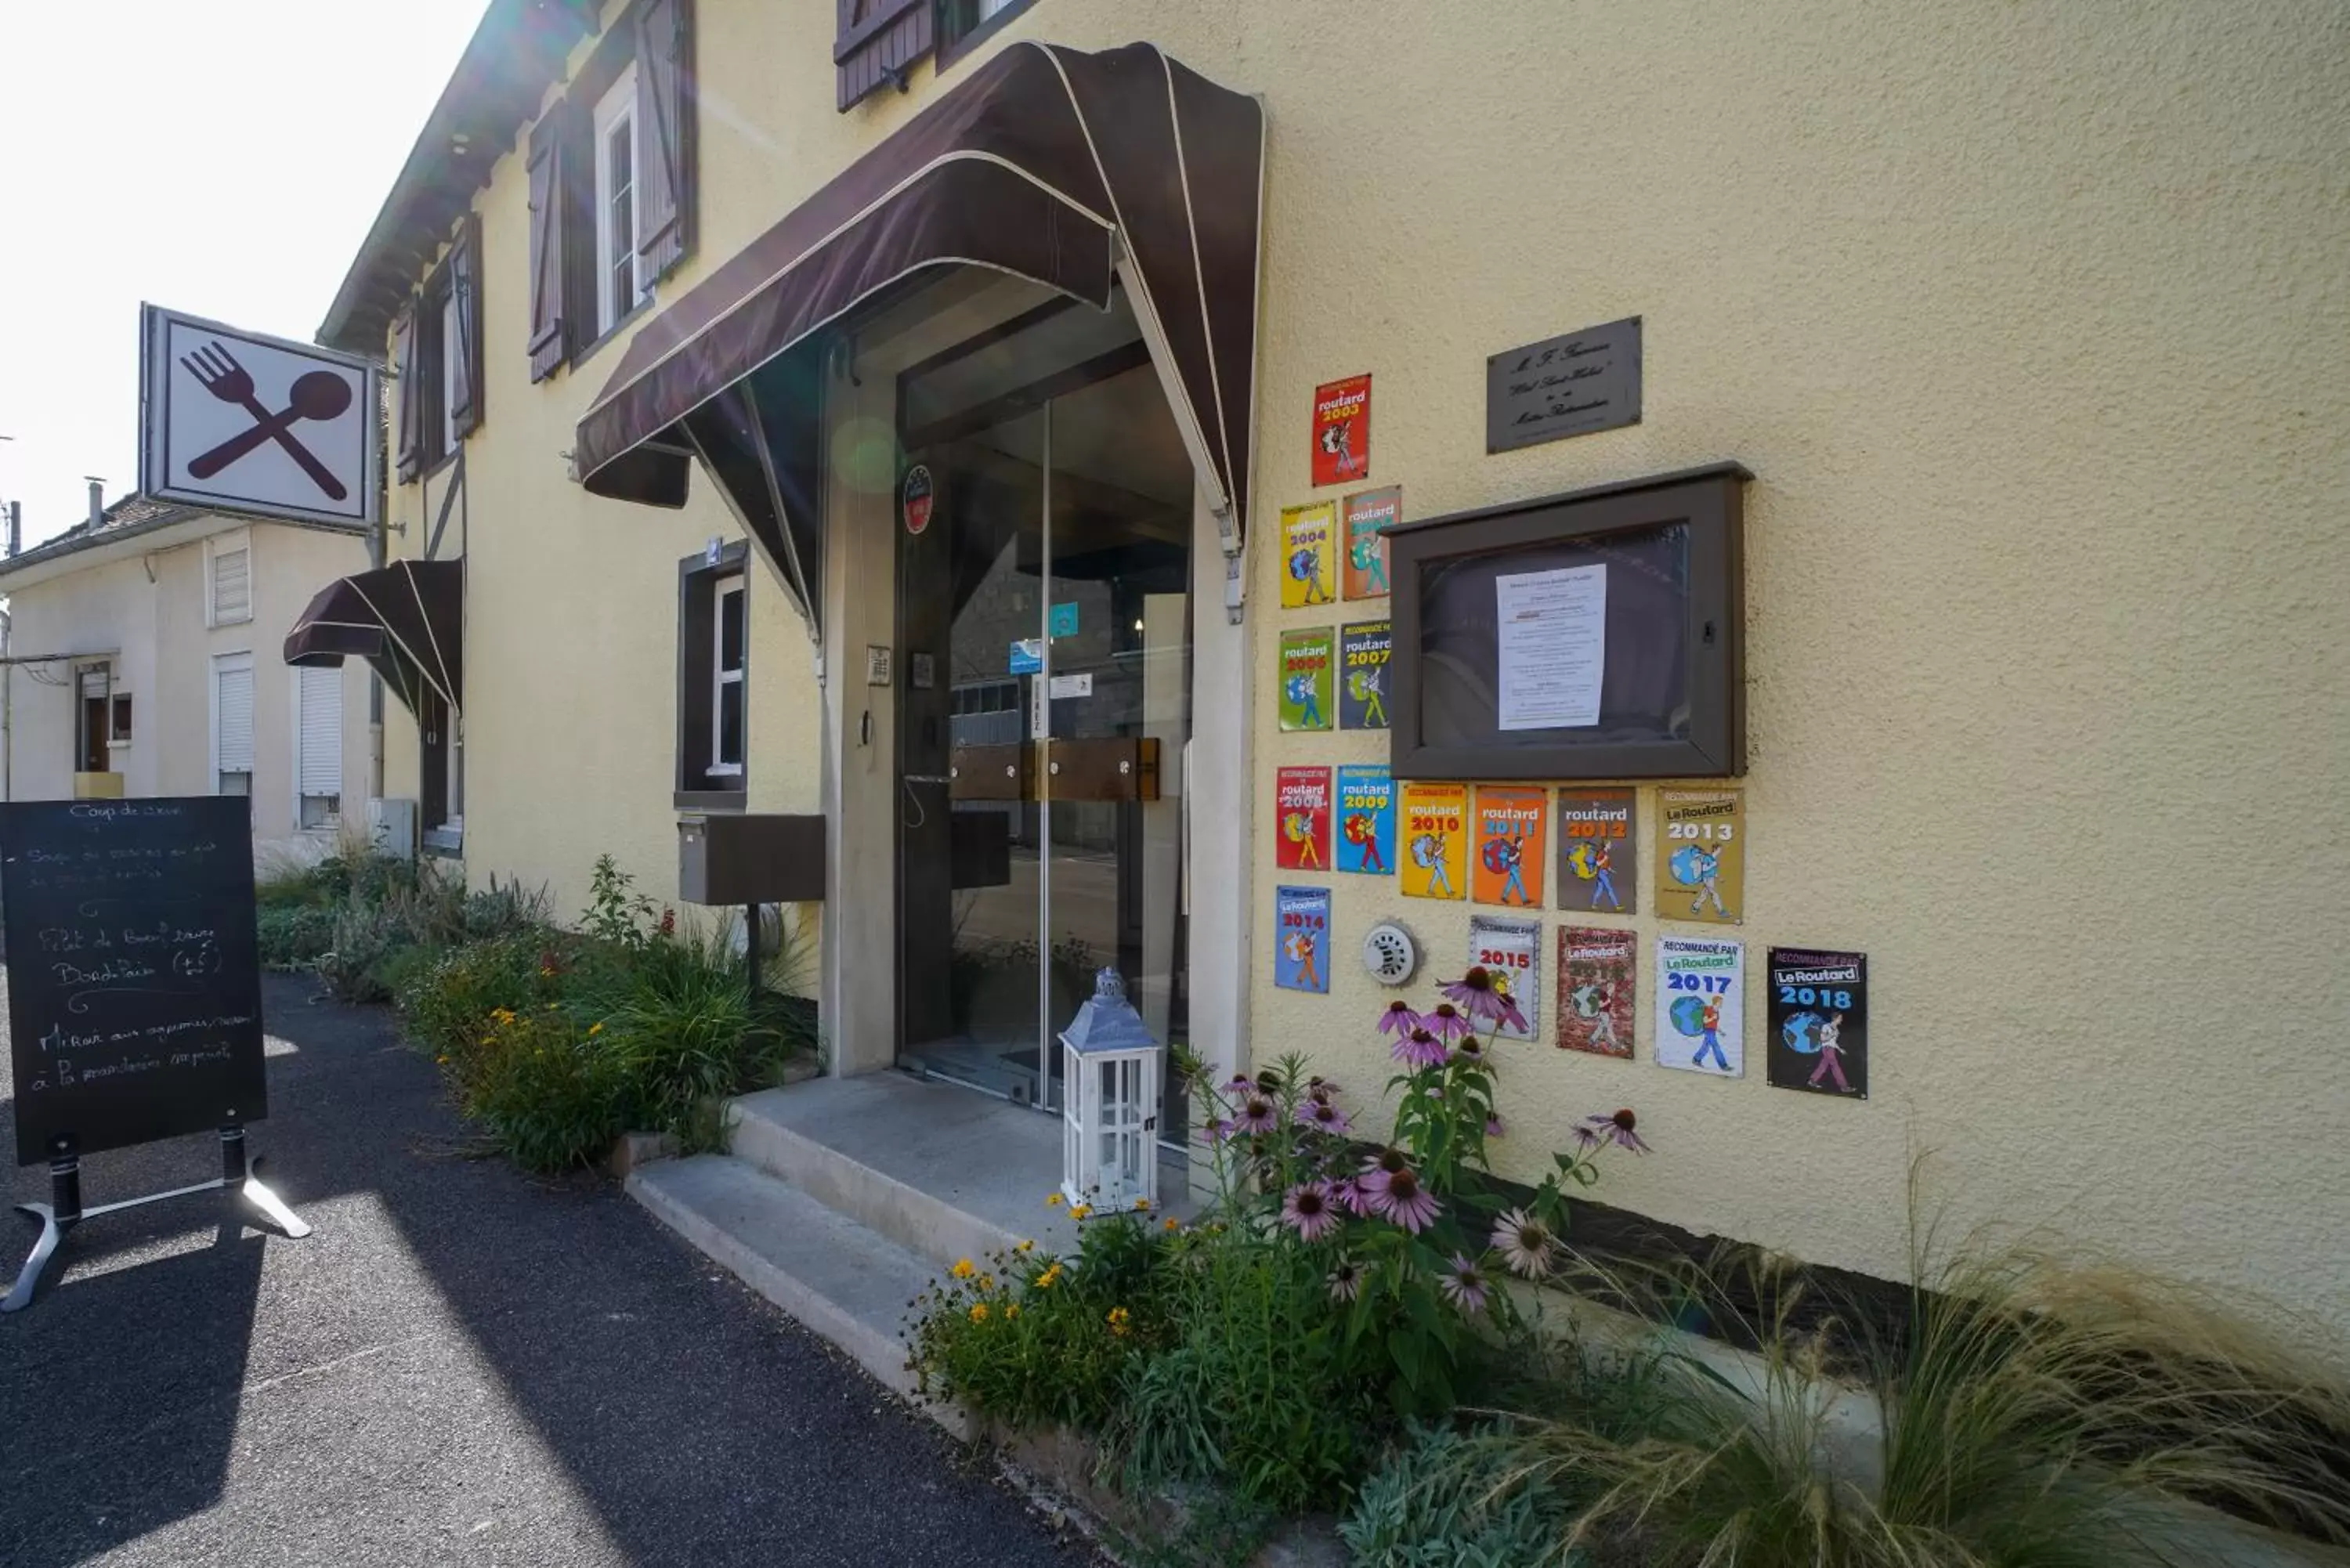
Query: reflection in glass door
{"x": 1044, "y": 638}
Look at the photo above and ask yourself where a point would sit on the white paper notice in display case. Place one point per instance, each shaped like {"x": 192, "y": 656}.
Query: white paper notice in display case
{"x": 1554, "y": 647}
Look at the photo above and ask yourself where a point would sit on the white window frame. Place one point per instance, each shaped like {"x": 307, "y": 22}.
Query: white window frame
{"x": 618, "y": 106}
{"x": 216, "y": 547}
{"x": 738, "y": 585}
{"x": 222, "y": 664}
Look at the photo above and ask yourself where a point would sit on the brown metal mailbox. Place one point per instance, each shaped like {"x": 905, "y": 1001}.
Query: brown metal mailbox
{"x": 1124, "y": 768}
{"x": 767, "y": 858}
{"x": 992, "y": 772}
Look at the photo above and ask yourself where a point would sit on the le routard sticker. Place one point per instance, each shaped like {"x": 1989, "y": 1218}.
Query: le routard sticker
{"x": 1367, "y": 512}
{"x": 1509, "y": 950}
{"x": 1302, "y": 819}
{"x": 1306, "y": 668}
{"x": 1818, "y": 1013}
{"x": 1596, "y": 973}
{"x": 916, "y": 495}
{"x": 1509, "y": 841}
{"x": 1342, "y": 431}
{"x": 1598, "y": 845}
{"x": 1366, "y": 817}
{"x": 1301, "y": 953}
{"x": 1435, "y": 834}
{"x": 1309, "y": 554}
{"x": 1364, "y": 650}
{"x": 1700, "y": 1005}
{"x": 1701, "y": 865}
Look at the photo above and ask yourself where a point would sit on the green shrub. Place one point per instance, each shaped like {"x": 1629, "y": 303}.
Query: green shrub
{"x": 550, "y": 1093}
{"x": 445, "y": 1003}
{"x": 681, "y": 1017}
{"x": 1445, "y": 1498}
{"x": 292, "y": 936}
{"x": 364, "y": 936}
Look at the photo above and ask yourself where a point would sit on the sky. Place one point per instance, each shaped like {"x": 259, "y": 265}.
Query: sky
{"x": 222, "y": 157}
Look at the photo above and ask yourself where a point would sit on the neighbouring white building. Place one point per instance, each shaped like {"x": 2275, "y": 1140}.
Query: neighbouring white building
{"x": 145, "y": 644}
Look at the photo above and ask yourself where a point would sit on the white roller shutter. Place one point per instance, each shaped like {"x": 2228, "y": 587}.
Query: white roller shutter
{"x": 233, "y": 715}
{"x": 322, "y": 732}
{"x": 232, "y": 586}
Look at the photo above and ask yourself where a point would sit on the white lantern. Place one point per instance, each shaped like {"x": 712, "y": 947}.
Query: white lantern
{"x": 1109, "y": 1102}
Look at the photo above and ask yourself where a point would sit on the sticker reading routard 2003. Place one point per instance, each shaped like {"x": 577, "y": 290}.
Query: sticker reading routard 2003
{"x": 1818, "y": 1012}
{"x": 1701, "y": 864}
{"x": 1301, "y": 951}
{"x": 1509, "y": 950}
{"x": 1597, "y": 970}
{"x": 1305, "y": 679}
{"x": 1700, "y": 1005}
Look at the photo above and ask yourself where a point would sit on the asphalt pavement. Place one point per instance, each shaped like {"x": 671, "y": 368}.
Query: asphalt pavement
{"x": 461, "y": 1366}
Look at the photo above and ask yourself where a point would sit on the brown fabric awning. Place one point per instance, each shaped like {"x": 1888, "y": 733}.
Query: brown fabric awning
{"x": 1047, "y": 162}
{"x": 405, "y": 619}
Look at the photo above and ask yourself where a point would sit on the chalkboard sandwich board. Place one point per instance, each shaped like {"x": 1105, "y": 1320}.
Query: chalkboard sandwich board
{"x": 134, "y": 984}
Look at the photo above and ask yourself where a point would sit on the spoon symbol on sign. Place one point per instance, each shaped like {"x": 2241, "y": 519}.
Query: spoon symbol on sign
{"x": 318, "y": 395}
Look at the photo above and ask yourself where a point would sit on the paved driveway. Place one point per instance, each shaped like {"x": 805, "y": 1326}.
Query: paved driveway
{"x": 460, "y": 1366}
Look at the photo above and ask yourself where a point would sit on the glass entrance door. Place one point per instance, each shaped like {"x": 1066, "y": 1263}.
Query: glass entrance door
{"x": 1044, "y": 638}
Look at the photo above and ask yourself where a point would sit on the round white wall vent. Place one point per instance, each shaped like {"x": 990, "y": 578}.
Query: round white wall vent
{"x": 1389, "y": 953}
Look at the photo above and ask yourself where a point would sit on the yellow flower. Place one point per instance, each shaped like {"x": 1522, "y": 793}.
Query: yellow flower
{"x": 546, "y": 971}
{"x": 443, "y": 1060}
{"x": 987, "y": 1282}
{"x": 1011, "y": 1311}
{"x": 979, "y": 1312}
{"x": 1174, "y": 1224}
{"x": 595, "y": 1029}
{"x": 1079, "y": 1210}
{"x": 1119, "y": 1321}
{"x": 1026, "y": 1247}
{"x": 1142, "y": 1206}
{"x": 1052, "y": 1200}
{"x": 963, "y": 1269}
{"x": 1046, "y": 1281}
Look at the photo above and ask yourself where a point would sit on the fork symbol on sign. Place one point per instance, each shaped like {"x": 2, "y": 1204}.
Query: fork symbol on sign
{"x": 217, "y": 372}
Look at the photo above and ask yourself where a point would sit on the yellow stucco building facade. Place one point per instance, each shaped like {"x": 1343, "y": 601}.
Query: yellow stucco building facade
{"x": 2026, "y": 321}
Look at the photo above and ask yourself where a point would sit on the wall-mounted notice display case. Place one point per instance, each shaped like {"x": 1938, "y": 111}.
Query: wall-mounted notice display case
{"x": 1595, "y": 634}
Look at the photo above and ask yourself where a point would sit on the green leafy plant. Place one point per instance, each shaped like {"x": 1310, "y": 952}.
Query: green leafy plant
{"x": 292, "y": 936}
{"x": 615, "y": 912}
{"x": 551, "y": 1093}
{"x": 1444, "y": 1500}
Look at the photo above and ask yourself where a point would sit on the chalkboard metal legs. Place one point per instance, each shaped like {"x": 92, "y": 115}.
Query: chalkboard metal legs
{"x": 63, "y": 1210}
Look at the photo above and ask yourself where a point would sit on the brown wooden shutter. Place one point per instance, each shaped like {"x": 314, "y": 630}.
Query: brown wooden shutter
{"x": 409, "y": 384}
{"x": 665, "y": 122}
{"x": 465, "y": 353}
{"x": 550, "y": 275}
{"x": 877, "y": 41}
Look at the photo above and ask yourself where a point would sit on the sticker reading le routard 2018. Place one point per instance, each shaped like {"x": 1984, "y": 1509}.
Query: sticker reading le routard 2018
{"x": 1309, "y": 554}
{"x": 1596, "y": 973}
{"x": 1701, "y": 864}
{"x": 1818, "y": 1010}
{"x": 1510, "y": 950}
{"x": 1305, "y": 679}
{"x": 1700, "y": 1005}
{"x": 1433, "y": 835}
{"x": 1301, "y": 819}
{"x": 1598, "y": 851}
{"x": 1342, "y": 431}
{"x": 1364, "y": 650}
{"x": 1301, "y": 948}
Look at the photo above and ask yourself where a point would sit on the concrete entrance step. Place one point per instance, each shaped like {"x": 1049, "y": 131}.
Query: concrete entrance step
{"x": 942, "y": 1172}
{"x": 845, "y": 1281}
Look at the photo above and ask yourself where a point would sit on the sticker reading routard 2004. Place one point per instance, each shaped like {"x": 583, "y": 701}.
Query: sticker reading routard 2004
{"x": 1700, "y": 1005}
{"x": 1309, "y": 554}
{"x": 1701, "y": 864}
{"x": 1818, "y": 1012}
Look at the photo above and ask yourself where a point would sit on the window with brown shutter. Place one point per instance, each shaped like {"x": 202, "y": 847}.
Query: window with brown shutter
{"x": 463, "y": 379}
{"x": 409, "y": 379}
{"x": 550, "y": 225}
{"x": 665, "y": 125}
{"x": 876, "y": 42}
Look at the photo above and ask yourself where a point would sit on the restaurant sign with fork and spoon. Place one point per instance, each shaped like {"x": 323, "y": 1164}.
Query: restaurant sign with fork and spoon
{"x": 241, "y": 421}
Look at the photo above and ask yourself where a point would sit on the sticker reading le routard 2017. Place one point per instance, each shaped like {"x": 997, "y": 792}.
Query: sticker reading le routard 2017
{"x": 1433, "y": 838}
{"x": 1302, "y": 819}
{"x": 1596, "y": 973}
{"x": 1701, "y": 864}
{"x": 1818, "y": 1010}
{"x": 1510, "y": 950}
{"x": 1598, "y": 851}
{"x": 1700, "y": 1005}
{"x": 1342, "y": 431}
{"x": 1301, "y": 949}
{"x": 1307, "y": 685}
{"x": 1309, "y": 554}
